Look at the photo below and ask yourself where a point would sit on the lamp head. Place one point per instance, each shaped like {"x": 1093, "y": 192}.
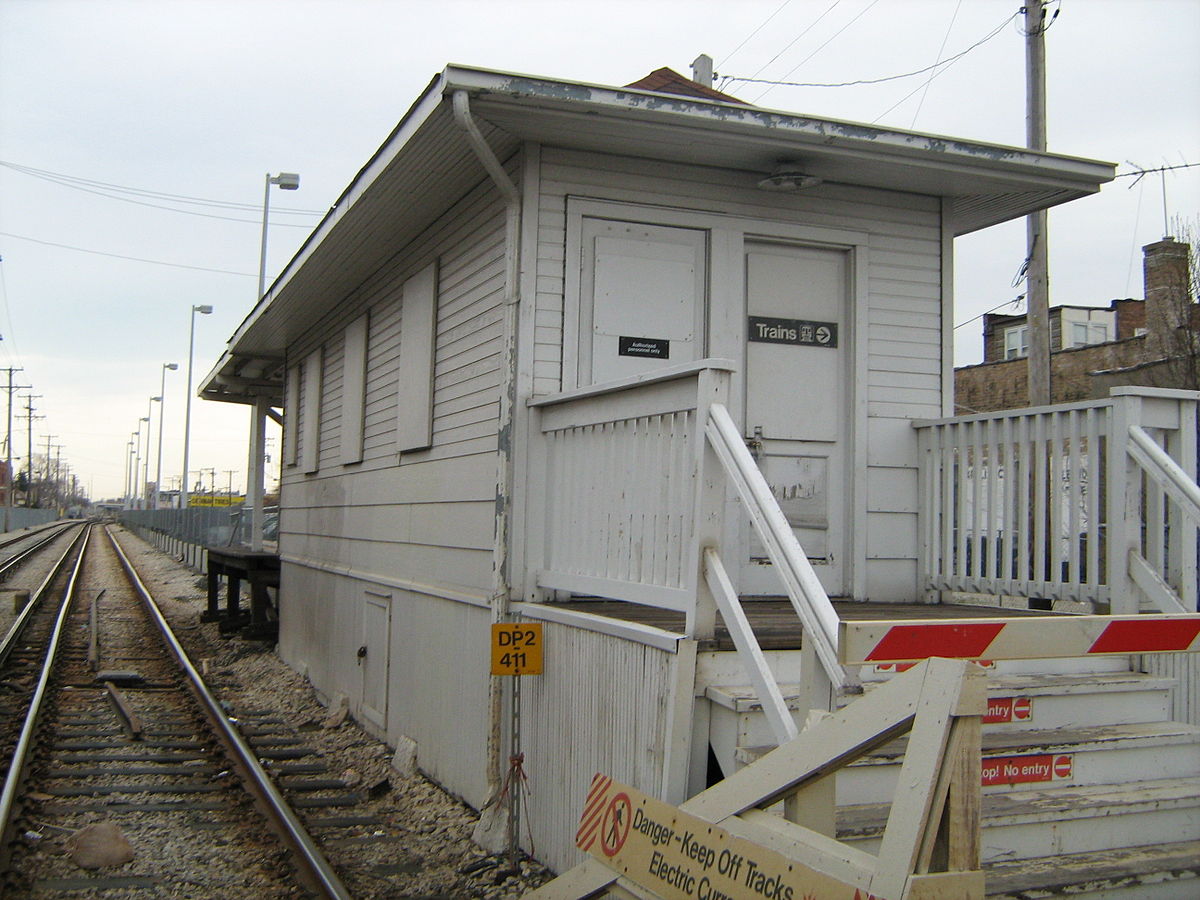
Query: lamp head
{"x": 171, "y": 366}
{"x": 203, "y": 310}
{"x": 788, "y": 178}
{"x": 287, "y": 181}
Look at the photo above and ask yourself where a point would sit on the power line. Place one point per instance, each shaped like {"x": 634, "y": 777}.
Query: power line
{"x": 949, "y": 62}
{"x": 1015, "y": 300}
{"x": 941, "y": 50}
{"x": 828, "y": 41}
{"x": 832, "y": 6}
{"x": 10, "y": 336}
{"x": 186, "y": 212}
{"x": 764, "y": 24}
{"x": 75, "y": 180}
{"x": 864, "y": 81}
{"x": 156, "y": 262}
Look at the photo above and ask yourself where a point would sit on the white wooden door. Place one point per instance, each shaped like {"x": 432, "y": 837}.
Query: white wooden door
{"x": 797, "y": 393}
{"x": 373, "y": 657}
{"x": 642, "y": 298}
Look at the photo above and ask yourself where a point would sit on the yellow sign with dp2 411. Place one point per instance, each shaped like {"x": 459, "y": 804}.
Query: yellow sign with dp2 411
{"x": 680, "y": 857}
{"x": 517, "y": 648}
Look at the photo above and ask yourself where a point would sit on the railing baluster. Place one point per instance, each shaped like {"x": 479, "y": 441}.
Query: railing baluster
{"x": 992, "y": 569}
{"x": 949, "y": 526}
{"x": 1009, "y": 518}
{"x": 1074, "y": 528}
{"x": 1095, "y": 504}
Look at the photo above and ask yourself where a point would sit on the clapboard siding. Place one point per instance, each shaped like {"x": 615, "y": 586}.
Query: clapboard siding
{"x": 903, "y": 315}
{"x": 612, "y": 720}
{"x": 426, "y": 632}
{"x": 416, "y": 526}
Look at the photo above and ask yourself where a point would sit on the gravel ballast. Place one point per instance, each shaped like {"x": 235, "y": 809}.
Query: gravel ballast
{"x": 419, "y": 842}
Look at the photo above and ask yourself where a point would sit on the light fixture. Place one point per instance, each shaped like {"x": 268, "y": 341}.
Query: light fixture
{"x": 204, "y": 310}
{"x": 285, "y": 181}
{"x": 787, "y": 178}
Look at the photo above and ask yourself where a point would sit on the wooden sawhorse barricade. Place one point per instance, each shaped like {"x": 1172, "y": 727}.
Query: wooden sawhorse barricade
{"x": 723, "y": 842}
{"x": 261, "y": 570}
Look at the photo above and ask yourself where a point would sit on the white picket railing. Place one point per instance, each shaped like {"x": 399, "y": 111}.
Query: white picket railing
{"x": 621, "y": 463}
{"x": 1086, "y": 502}
{"x": 633, "y": 504}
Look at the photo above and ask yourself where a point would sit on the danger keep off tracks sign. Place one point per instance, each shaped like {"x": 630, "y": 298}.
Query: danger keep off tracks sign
{"x": 680, "y": 857}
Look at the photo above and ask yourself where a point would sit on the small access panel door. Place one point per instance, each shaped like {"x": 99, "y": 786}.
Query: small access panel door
{"x": 796, "y": 404}
{"x": 642, "y": 292}
{"x": 373, "y": 657}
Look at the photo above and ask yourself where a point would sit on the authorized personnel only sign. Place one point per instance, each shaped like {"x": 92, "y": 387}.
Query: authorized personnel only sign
{"x": 680, "y": 857}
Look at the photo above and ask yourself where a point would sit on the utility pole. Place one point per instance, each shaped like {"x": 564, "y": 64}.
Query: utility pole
{"x": 1037, "y": 275}
{"x": 46, "y": 482}
{"x": 29, "y": 416}
{"x": 8, "y": 504}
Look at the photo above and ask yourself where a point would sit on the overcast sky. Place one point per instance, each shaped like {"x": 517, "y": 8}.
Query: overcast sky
{"x": 201, "y": 98}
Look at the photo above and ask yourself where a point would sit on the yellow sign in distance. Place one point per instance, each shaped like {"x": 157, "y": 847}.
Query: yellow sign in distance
{"x": 677, "y": 856}
{"x": 517, "y": 648}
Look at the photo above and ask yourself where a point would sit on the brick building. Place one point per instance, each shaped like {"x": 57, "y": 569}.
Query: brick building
{"x": 1150, "y": 342}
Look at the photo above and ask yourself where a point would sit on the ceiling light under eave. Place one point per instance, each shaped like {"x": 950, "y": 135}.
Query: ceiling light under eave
{"x": 787, "y": 179}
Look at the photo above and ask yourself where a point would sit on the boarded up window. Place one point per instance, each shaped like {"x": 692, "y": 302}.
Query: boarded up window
{"x": 310, "y": 437}
{"x": 354, "y": 390}
{"x": 418, "y": 321}
{"x": 291, "y": 417}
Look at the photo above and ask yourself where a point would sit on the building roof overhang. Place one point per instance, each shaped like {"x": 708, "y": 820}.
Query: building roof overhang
{"x": 426, "y": 163}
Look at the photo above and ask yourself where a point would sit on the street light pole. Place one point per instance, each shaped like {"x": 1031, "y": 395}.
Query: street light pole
{"x": 149, "y": 435}
{"x": 287, "y": 181}
{"x": 137, "y": 463}
{"x": 187, "y": 415}
{"x": 130, "y": 475}
{"x": 162, "y": 408}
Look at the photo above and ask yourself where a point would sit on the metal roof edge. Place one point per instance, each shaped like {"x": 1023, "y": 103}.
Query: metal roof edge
{"x": 419, "y": 112}
{"x": 810, "y": 129}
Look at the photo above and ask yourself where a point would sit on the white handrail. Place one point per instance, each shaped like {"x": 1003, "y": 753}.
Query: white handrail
{"x": 1175, "y": 480}
{"x": 804, "y": 589}
{"x": 769, "y": 694}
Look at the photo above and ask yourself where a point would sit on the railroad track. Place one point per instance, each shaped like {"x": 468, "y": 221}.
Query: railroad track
{"x": 126, "y": 774}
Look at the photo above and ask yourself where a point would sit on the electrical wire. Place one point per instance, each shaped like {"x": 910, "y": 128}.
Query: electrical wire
{"x": 828, "y": 41}
{"x": 941, "y": 50}
{"x": 946, "y": 67}
{"x": 156, "y": 262}
{"x": 114, "y": 193}
{"x": 764, "y": 24}
{"x": 10, "y": 335}
{"x": 73, "y": 180}
{"x": 866, "y": 81}
{"x": 792, "y": 43}
{"x": 1014, "y": 300}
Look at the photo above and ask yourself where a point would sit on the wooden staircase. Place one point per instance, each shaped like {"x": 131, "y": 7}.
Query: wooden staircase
{"x": 1089, "y": 790}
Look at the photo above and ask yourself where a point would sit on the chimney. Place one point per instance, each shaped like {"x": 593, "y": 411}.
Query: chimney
{"x": 1165, "y": 272}
{"x": 702, "y": 70}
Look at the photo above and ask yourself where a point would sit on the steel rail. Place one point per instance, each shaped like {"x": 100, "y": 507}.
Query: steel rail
{"x": 16, "y": 766}
{"x": 57, "y": 526}
{"x": 30, "y": 550}
{"x": 312, "y": 861}
{"x": 35, "y": 597}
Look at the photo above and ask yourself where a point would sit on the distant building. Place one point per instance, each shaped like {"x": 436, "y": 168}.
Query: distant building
{"x": 1148, "y": 342}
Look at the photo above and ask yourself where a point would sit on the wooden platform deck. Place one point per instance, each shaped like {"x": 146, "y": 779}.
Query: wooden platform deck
{"x": 775, "y": 623}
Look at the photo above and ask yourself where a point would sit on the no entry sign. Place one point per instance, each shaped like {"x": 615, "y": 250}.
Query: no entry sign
{"x": 1027, "y": 769}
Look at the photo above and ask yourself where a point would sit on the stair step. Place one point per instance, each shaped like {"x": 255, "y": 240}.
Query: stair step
{"x": 1088, "y": 756}
{"x": 1155, "y": 872}
{"x": 1032, "y": 823}
{"x": 1052, "y": 701}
